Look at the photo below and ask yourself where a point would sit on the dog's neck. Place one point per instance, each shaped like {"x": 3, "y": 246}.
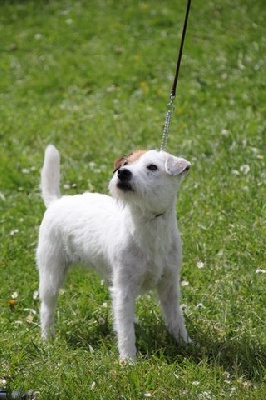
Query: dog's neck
{"x": 145, "y": 216}
{"x": 153, "y": 231}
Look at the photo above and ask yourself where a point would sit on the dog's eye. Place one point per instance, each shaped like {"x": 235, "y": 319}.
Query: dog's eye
{"x": 152, "y": 167}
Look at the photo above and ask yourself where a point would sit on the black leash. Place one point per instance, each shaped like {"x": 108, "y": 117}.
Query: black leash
{"x": 170, "y": 106}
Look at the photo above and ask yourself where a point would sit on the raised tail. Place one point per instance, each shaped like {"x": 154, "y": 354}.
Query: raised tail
{"x": 50, "y": 176}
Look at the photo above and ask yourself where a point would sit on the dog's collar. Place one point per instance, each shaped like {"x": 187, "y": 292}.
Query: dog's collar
{"x": 159, "y": 215}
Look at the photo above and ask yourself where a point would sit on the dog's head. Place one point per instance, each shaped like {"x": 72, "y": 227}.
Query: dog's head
{"x": 148, "y": 179}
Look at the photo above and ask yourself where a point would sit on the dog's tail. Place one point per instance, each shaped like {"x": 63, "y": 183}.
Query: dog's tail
{"x": 50, "y": 176}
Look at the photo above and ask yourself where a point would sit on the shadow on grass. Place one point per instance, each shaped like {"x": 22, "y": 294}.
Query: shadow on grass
{"x": 238, "y": 356}
{"x": 93, "y": 337}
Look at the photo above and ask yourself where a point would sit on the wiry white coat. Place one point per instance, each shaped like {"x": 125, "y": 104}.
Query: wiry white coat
{"x": 131, "y": 239}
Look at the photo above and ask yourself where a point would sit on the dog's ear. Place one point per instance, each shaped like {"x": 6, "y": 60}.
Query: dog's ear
{"x": 177, "y": 166}
{"x": 119, "y": 162}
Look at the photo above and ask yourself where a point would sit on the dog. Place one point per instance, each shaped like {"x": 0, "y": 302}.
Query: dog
{"x": 131, "y": 238}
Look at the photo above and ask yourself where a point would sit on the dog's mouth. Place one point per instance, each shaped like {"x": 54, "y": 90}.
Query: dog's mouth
{"x": 125, "y": 186}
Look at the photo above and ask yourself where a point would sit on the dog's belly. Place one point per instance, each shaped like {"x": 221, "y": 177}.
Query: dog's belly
{"x": 87, "y": 257}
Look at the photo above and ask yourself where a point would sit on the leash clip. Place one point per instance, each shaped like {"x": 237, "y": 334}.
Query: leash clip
{"x": 170, "y": 109}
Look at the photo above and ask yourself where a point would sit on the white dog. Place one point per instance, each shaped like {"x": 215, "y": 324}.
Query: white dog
{"x": 131, "y": 239}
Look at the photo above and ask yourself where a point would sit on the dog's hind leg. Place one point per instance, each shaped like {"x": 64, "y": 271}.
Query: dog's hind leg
{"x": 169, "y": 293}
{"x": 51, "y": 277}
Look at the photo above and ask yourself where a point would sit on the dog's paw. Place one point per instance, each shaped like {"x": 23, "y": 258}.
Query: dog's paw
{"x": 127, "y": 361}
{"x": 127, "y": 356}
{"x": 188, "y": 340}
{"x": 183, "y": 338}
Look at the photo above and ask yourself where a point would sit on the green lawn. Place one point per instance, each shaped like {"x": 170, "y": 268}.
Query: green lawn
{"x": 93, "y": 77}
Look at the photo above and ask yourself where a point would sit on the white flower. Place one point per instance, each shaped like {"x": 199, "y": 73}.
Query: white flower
{"x": 31, "y": 310}
{"x": 14, "y": 232}
{"x": 245, "y": 169}
{"x": 30, "y": 318}
{"x": 35, "y": 295}
{"x": 200, "y": 306}
{"x": 195, "y": 383}
{"x": 38, "y": 36}
{"x": 14, "y": 295}
{"x": 200, "y": 265}
{"x": 206, "y": 395}
{"x": 260, "y": 271}
{"x": 225, "y": 132}
{"x": 184, "y": 283}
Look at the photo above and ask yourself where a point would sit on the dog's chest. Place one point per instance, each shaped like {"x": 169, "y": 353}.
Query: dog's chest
{"x": 156, "y": 240}
{"x": 157, "y": 257}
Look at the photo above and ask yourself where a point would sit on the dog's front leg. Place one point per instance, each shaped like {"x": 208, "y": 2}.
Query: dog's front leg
{"x": 169, "y": 293}
{"x": 123, "y": 310}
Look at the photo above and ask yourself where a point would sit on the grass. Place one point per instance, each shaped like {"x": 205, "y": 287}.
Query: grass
{"x": 94, "y": 78}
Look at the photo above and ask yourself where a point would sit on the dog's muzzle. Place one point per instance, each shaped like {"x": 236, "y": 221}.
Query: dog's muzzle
{"x": 124, "y": 178}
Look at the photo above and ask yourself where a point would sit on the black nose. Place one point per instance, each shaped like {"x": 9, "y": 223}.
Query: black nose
{"x": 124, "y": 174}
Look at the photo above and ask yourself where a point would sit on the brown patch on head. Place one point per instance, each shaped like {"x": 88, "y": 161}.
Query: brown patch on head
{"x": 128, "y": 159}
